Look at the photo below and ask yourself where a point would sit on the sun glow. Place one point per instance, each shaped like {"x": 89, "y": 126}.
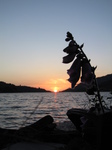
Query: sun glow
{"x": 55, "y": 89}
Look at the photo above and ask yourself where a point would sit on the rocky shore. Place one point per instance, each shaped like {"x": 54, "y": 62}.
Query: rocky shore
{"x": 45, "y": 134}
{"x": 45, "y": 131}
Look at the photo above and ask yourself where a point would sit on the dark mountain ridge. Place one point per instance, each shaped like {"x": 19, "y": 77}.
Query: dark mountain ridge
{"x": 104, "y": 83}
{"x": 11, "y": 88}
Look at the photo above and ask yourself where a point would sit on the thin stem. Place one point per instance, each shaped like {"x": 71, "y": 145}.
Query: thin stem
{"x": 98, "y": 92}
{"x": 99, "y": 96}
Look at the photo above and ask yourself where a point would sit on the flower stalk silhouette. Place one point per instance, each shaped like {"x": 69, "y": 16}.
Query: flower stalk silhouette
{"x": 81, "y": 68}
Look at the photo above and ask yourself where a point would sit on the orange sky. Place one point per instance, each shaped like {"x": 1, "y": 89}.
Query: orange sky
{"x": 58, "y": 84}
{"x": 55, "y": 84}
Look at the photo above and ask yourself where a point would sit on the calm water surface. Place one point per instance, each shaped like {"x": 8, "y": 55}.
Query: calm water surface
{"x": 21, "y": 109}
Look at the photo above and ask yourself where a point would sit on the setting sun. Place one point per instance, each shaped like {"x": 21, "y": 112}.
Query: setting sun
{"x": 55, "y": 89}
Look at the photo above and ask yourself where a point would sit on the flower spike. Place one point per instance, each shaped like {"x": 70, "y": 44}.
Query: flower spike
{"x": 75, "y": 51}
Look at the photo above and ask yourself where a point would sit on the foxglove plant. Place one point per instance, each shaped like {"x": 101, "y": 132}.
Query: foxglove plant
{"x": 81, "y": 67}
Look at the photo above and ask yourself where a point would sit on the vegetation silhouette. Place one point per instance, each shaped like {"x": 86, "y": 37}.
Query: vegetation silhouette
{"x": 11, "y": 88}
{"x": 95, "y": 124}
{"x": 104, "y": 82}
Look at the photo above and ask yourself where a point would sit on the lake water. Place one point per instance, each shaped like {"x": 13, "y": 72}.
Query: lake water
{"x": 21, "y": 109}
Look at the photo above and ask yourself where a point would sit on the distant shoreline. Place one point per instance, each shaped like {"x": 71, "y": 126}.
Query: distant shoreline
{"x": 104, "y": 83}
{"x": 11, "y": 88}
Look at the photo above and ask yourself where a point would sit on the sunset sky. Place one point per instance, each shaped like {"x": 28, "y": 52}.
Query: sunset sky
{"x": 32, "y": 39}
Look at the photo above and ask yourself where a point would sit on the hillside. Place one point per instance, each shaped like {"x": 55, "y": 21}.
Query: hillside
{"x": 11, "y": 88}
{"x": 104, "y": 83}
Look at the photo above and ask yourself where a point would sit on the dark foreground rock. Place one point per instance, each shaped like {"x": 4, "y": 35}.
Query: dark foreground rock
{"x": 43, "y": 130}
{"x": 96, "y": 129}
{"x": 95, "y": 135}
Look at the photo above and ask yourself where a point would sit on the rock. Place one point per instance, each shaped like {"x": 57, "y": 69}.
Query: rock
{"x": 74, "y": 115}
{"x": 35, "y": 146}
{"x": 78, "y": 144}
{"x": 28, "y": 133}
{"x": 42, "y": 124}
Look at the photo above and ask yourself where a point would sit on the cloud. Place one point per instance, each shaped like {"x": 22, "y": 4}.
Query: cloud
{"x": 62, "y": 80}
{"x": 57, "y": 81}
